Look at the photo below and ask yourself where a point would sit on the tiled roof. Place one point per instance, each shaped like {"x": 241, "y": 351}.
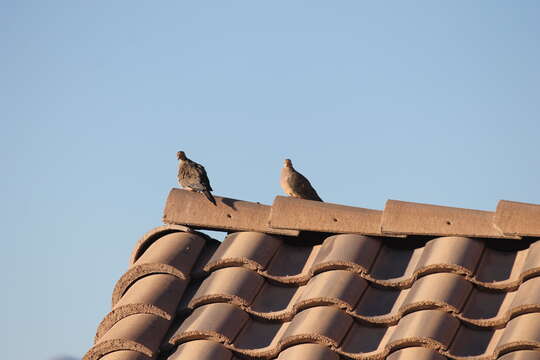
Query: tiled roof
{"x": 309, "y": 280}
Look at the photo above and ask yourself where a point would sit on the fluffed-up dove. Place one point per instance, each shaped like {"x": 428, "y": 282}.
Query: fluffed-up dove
{"x": 295, "y": 184}
{"x": 192, "y": 176}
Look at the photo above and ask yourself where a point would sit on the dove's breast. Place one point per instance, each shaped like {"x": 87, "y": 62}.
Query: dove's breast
{"x": 285, "y": 181}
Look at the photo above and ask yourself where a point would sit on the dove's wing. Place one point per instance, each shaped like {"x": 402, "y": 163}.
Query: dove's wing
{"x": 193, "y": 176}
{"x": 302, "y": 187}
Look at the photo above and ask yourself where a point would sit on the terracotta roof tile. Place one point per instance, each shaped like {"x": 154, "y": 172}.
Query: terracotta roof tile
{"x": 348, "y": 251}
{"x": 235, "y": 285}
{"x": 415, "y": 353}
{"x": 330, "y": 296}
{"x": 521, "y": 355}
{"x": 308, "y": 351}
{"x": 201, "y": 350}
{"x": 218, "y": 321}
{"x": 156, "y": 294}
{"x": 125, "y": 355}
{"x": 250, "y": 249}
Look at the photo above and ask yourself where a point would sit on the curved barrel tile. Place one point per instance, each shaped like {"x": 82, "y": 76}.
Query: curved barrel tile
{"x": 125, "y": 355}
{"x": 180, "y": 250}
{"x": 521, "y": 355}
{"x": 140, "y": 332}
{"x": 218, "y": 321}
{"x": 458, "y": 254}
{"x": 138, "y": 272}
{"x": 157, "y": 294}
{"x": 234, "y": 284}
{"x": 350, "y": 251}
{"x": 521, "y": 332}
{"x": 527, "y": 297}
{"x": 339, "y": 287}
{"x": 308, "y": 352}
{"x": 444, "y": 290}
{"x": 147, "y": 239}
{"x": 532, "y": 262}
{"x": 250, "y": 249}
{"x": 173, "y": 254}
{"x": 415, "y": 353}
{"x": 201, "y": 350}
{"x": 325, "y": 325}
{"x": 432, "y": 328}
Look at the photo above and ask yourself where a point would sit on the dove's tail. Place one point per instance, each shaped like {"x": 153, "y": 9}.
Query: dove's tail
{"x": 209, "y": 196}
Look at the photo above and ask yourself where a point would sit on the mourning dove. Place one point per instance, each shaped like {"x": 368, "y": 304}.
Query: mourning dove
{"x": 295, "y": 184}
{"x": 192, "y": 176}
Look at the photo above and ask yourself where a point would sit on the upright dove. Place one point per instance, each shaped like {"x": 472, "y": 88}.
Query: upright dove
{"x": 295, "y": 184}
{"x": 192, "y": 176}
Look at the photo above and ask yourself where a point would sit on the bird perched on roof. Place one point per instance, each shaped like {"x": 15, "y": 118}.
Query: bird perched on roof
{"x": 192, "y": 176}
{"x": 295, "y": 184}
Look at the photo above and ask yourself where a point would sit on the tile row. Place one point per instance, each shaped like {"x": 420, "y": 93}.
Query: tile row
{"x": 330, "y": 327}
{"x": 448, "y": 292}
{"x": 211, "y": 350}
{"x": 378, "y": 260}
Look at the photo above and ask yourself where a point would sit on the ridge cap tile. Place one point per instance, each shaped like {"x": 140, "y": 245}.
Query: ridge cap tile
{"x": 410, "y": 218}
{"x": 185, "y": 207}
{"x": 307, "y": 215}
{"x": 518, "y": 218}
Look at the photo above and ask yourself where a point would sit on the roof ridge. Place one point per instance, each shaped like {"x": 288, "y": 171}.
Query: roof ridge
{"x": 289, "y": 216}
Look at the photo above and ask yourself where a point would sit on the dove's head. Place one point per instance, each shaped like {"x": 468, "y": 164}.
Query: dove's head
{"x": 181, "y": 155}
{"x": 287, "y": 163}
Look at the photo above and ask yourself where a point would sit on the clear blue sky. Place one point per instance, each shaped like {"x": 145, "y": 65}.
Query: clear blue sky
{"x": 426, "y": 101}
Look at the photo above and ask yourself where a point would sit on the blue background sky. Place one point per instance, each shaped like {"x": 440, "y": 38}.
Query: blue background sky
{"x": 426, "y": 101}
